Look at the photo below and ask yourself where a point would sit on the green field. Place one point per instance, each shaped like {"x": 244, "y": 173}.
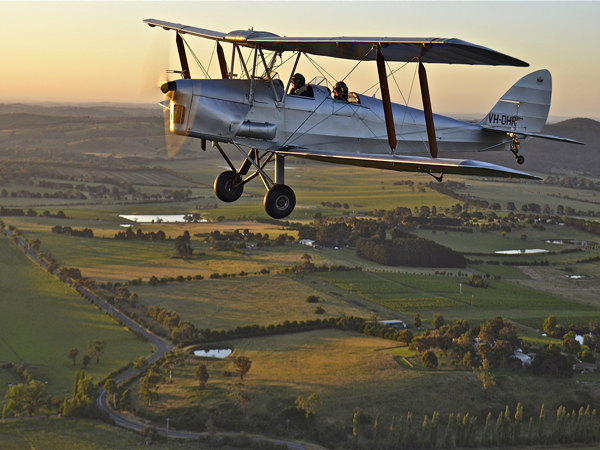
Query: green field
{"x": 261, "y": 300}
{"x": 42, "y": 318}
{"x": 426, "y": 294}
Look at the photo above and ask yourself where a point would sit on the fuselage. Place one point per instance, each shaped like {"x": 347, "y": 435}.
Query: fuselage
{"x": 251, "y": 115}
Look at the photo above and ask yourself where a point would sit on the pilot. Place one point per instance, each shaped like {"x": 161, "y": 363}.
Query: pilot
{"x": 340, "y": 91}
{"x": 300, "y": 86}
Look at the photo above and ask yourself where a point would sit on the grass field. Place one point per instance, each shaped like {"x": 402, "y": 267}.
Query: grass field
{"x": 60, "y": 434}
{"x": 261, "y": 300}
{"x": 347, "y": 370}
{"x": 42, "y": 318}
{"x": 426, "y": 294}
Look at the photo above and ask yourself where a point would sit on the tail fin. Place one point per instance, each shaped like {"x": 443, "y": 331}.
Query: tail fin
{"x": 525, "y": 106}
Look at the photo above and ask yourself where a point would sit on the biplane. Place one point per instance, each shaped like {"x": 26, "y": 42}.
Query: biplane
{"x": 258, "y": 114}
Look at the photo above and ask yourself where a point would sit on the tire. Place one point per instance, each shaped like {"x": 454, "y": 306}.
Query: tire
{"x": 279, "y": 201}
{"x": 520, "y": 159}
{"x": 227, "y": 187}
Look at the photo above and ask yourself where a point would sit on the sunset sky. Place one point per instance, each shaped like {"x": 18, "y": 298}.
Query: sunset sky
{"x": 102, "y": 52}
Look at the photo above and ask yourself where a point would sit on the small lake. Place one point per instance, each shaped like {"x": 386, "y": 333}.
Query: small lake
{"x": 220, "y": 353}
{"x": 162, "y": 218}
{"x": 570, "y": 242}
{"x": 527, "y": 251}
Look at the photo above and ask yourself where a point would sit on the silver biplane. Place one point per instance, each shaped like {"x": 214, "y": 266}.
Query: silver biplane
{"x": 258, "y": 114}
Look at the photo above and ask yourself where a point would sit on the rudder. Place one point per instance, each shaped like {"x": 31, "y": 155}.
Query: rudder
{"x": 525, "y": 105}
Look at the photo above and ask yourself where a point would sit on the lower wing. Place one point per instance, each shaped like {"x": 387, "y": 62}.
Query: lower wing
{"x": 436, "y": 167}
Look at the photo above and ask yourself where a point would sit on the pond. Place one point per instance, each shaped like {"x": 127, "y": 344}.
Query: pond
{"x": 220, "y": 353}
{"x": 570, "y": 242}
{"x": 527, "y": 251}
{"x": 163, "y": 218}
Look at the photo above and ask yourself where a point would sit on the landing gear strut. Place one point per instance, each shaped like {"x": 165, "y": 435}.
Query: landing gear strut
{"x": 514, "y": 148}
{"x": 279, "y": 201}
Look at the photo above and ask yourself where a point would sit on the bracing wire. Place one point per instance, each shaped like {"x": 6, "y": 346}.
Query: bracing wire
{"x": 196, "y": 58}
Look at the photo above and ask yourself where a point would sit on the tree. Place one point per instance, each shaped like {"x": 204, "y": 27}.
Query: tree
{"x": 242, "y": 365}
{"x": 171, "y": 360}
{"x": 149, "y": 385}
{"x": 202, "y": 375}
{"x": 183, "y": 246}
{"x": 570, "y": 343}
{"x": 111, "y": 388}
{"x": 82, "y": 404}
{"x": 238, "y": 392}
{"x": 73, "y": 354}
{"x": 26, "y": 398}
{"x": 417, "y": 320}
{"x": 86, "y": 360}
{"x": 312, "y": 299}
{"x": 487, "y": 381}
{"x": 429, "y": 360}
{"x": 35, "y": 245}
{"x": 438, "y": 321}
{"x": 550, "y": 361}
{"x": 307, "y": 264}
{"x": 550, "y": 325}
{"x": 140, "y": 363}
{"x": 96, "y": 348}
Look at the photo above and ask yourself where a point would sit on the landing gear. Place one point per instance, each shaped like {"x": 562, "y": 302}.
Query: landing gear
{"x": 279, "y": 201}
{"x": 514, "y": 148}
{"x": 228, "y": 186}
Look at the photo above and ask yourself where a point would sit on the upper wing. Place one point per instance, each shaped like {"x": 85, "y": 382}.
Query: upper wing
{"x": 184, "y": 29}
{"x": 518, "y": 133}
{"x": 404, "y": 163}
{"x": 428, "y": 50}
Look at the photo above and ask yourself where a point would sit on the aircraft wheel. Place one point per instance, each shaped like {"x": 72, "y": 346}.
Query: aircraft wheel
{"x": 279, "y": 201}
{"x": 227, "y": 186}
{"x": 520, "y": 159}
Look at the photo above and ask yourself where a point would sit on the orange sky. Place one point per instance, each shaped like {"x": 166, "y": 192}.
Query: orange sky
{"x": 102, "y": 52}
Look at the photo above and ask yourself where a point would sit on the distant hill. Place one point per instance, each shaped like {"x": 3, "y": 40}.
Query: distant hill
{"x": 82, "y": 110}
{"x": 138, "y": 129}
{"x": 552, "y": 157}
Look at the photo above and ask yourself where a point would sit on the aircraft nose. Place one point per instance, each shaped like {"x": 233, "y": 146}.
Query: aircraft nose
{"x": 169, "y": 86}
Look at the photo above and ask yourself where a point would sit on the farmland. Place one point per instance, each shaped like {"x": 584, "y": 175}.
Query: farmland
{"x": 227, "y": 288}
{"x": 43, "y": 318}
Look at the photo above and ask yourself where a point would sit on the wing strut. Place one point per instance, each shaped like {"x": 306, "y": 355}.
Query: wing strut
{"x": 185, "y": 68}
{"x": 433, "y": 148}
{"x": 387, "y": 103}
{"x": 222, "y": 62}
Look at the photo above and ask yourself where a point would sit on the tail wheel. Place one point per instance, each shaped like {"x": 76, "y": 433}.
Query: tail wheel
{"x": 520, "y": 159}
{"x": 228, "y": 186}
{"x": 279, "y": 201}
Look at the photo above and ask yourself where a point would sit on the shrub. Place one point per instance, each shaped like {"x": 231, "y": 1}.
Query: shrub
{"x": 312, "y": 299}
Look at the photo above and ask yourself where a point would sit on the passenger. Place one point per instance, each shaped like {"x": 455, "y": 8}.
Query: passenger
{"x": 300, "y": 86}
{"x": 340, "y": 91}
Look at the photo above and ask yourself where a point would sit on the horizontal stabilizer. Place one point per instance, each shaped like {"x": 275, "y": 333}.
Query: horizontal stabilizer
{"x": 404, "y": 163}
{"x": 536, "y": 135}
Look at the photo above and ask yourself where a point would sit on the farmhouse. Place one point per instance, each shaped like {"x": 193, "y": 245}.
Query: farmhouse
{"x": 395, "y": 324}
{"x": 585, "y": 367}
{"x": 308, "y": 242}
